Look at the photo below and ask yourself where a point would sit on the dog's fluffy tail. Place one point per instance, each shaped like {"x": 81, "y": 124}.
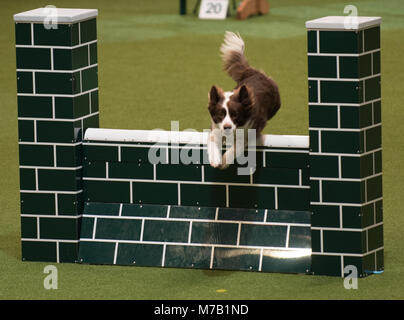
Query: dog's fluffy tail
{"x": 232, "y": 49}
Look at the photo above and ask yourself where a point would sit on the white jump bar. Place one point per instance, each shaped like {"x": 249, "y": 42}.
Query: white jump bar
{"x": 185, "y": 137}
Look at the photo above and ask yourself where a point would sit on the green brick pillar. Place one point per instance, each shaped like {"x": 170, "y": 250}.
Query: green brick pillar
{"x": 345, "y": 145}
{"x": 57, "y": 94}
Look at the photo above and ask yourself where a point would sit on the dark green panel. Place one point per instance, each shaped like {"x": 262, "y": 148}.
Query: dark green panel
{"x": 374, "y": 188}
{"x": 90, "y": 78}
{"x": 324, "y": 166}
{"x": 138, "y": 154}
{"x": 203, "y": 195}
{"x": 94, "y": 101}
{"x": 372, "y": 38}
{"x": 342, "y": 191}
{"x": 326, "y": 265}
{"x": 288, "y": 216}
{"x": 365, "y": 118}
{"x": 166, "y": 231}
{"x": 101, "y": 153}
{"x": 252, "y": 197}
{"x": 69, "y": 156}
{"x": 287, "y": 159}
{"x": 187, "y": 257}
{"x": 64, "y": 35}
{"x": 178, "y": 172}
{"x": 299, "y": 237}
{"x": 342, "y": 142}
{"x": 311, "y": 41}
{"x": 70, "y": 204}
{"x": 102, "y": 209}
{"x": 56, "y": 131}
{"x": 358, "y": 263}
{"x": 341, "y": 91}
{"x": 372, "y": 88}
{"x": 314, "y": 191}
{"x": 214, "y": 233}
{"x": 380, "y": 259}
{"x": 106, "y": 191}
{"x": 87, "y": 228}
{"x": 70, "y": 59}
{"x": 59, "y": 228}
{"x": 373, "y": 138}
{"x": 340, "y": 41}
{"x": 377, "y": 112}
{"x": 118, "y": 229}
{"x": 34, "y": 107}
{"x": 357, "y": 167}
{"x": 274, "y": 261}
{"x": 188, "y": 212}
{"x": 293, "y": 199}
{"x": 88, "y": 30}
{"x": 72, "y": 108}
{"x": 37, "y": 203}
{"x": 343, "y": 241}
{"x": 145, "y": 210}
{"x": 93, "y": 53}
{"x": 54, "y": 83}
{"x": 355, "y": 67}
{"x": 323, "y": 116}
{"x": 139, "y": 254}
{"x": 278, "y": 176}
{"x": 313, "y": 91}
{"x": 22, "y": 33}
{"x": 263, "y": 235}
{"x": 38, "y": 251}
{"x": 376, "y": 62}
{"x": 349, "y": 117}
{"x": 27, "y": 179}
{"x": 68, "y": 252}
{"x": 322, "y": 66}
{"x": 155, "y": 193}
{"x": 236, "y": 259}
{"x": 228, "y": 175}
{"x": 130, "y": 170}
{"x": 325, "y": 216}
{"x": 96, "y": 252}
{"x": 316, "y": 240}
{"x": 59, "y": 180}
{"x": 379, "y": 211}
{"x": 313, "y": 134}
{"x": 237, "y": 214}
{"x": 352, "y": 217}
{"x": 33, "y": 58}
{"x": 378, "y": 161}
{"x": 29, "y": 227}
{"x": 95, "y": 169}
{"x": 26, "y": 130}
{"x": 24, "y": 82}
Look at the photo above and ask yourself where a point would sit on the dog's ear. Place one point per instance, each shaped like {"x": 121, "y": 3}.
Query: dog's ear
{"x": 214, "y": 96}
{"x": 244, "y": 96}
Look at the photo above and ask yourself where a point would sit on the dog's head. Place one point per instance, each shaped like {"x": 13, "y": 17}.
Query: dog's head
{"x": 230, "y": 110}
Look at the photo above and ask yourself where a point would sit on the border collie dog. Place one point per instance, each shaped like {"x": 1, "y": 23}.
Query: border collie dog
{"x": 250, "y": 105}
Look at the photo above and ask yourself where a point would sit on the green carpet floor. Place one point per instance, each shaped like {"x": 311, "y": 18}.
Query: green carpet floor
{"x": 156, "y": 66}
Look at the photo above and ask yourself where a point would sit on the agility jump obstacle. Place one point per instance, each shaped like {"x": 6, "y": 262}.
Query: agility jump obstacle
{"x": 88, "y": 195}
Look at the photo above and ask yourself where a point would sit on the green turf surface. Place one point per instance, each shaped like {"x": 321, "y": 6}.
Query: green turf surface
{"x": 156, "y": 66}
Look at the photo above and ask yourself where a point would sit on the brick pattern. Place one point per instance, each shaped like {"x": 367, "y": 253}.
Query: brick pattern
{"x": 196, "y": 237}
{"x": 57, "y": 95}
{"x": 345, "y": 149}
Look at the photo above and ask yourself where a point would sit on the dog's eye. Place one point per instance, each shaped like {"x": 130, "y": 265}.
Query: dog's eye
{"x": 233, "y": 114}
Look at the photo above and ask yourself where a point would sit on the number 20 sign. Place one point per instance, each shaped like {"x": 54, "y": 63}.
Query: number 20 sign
{"x": 213, "y": 9}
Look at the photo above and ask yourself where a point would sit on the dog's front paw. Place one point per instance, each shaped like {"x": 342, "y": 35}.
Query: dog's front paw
{"x": 215, "y": 159}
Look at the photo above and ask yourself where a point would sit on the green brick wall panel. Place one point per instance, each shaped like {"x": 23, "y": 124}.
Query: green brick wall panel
{"x": 251, "y": 197}
{"x": 240, "y": 259}
{"x": 96, "y": 252}
{"x": 64, "y": 35}
{"x": 355, "y": 67}
{"x": 322, "y": 66}
{"x": 111, "y": 191}
{"x": 89, "y": 78}
{"x": 177, "y": 172}
{"x": 357, "y": 167}
{"x": 59, "y": 180}
{"x": 342, "y": 142}
{"x": 341, "y": 41}
{"x": 155, "y": 193}
{"x": 38, "y": 251}
{"x": 313, "y": 136}
{"x": 374, "y": 188}
{"x": 229, "y": 175}
{"x": 93, "y": 53}
{"x": 293, "y": 199}
{"x": 313, "y": 91}
{"x": 102, "y": 209}
{"x": 300, "y": 237}
{"x": 325, "y": 216}
{"x": 314, "y": 191}
{"x": 324, "y": 166}
{"x": 214, "y": 233}
{"x": 29, "y": 227}
{"x": 140, "y": 254}
{"x": 94, "y": 100}
{"x": 68, "y": 252}
{"x": 33, "y": 58}
{"x": 287, "y": 159}
{"x": 288, "y": 216}
{"x": 118, "y": 229}
{"x": 377, "y": 112}
{"x": 87, "y": 228}
{"x": 95, "y": 169}
{"x": 88, "y": 30}
{"x": 24, "y": 82}
{"x": 26, "y": 130}
{"x": 187, "y": 256}
{"x": 311, "y": 41}
{"x": 272, "y": 263}
{"x": 278, "y": 176}
{"x": 203, "y": 195}
{"x": 344, "y": 241}
{"x": 323, "y": 116}
{"x": 59, "y": 228}
{"x": 27, "y": 179}
{"x": 69, "y": 156}
{"x": 137, "y": 154}
{"x": 37, "y": 203}
{"x": 352, "y": 217}
{"x": 129, "y": 170}
{"x": 376, "y": 62}
{"x": 341, "y": 91}
{"x": 237, "y": 214}
{"x": 343, "y": 191}
{"x": 70, "y": 59}
{"x": 167, "y": 231}
{"x": 372, "y": 38}
{"x": 57, "y": 83}
{"x": 34, "y": 107}
{"x": 57, "y": 131}
{"x": 70, "y": 204}
{"x": 189, "y": 212}
{"x": 372, "y": 88}
{"x": 23, "y": 33}
{"x": 268, "y": 236}
{"x": 101, "y": 153}
{"x": 373, "y": 138}
{"x": 72, "y": 108}
{"x": 378, "y": 161}
{"x": 147, "y": 210}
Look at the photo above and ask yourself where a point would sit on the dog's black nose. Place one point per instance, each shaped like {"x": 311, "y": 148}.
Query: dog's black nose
{"x": 227, "y": 127}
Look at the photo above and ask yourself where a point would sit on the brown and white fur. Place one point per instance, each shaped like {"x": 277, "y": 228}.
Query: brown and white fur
{"x": 250, "y": 105}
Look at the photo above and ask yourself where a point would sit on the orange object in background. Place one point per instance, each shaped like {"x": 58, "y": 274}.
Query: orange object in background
{"x": 252, "y": 7}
